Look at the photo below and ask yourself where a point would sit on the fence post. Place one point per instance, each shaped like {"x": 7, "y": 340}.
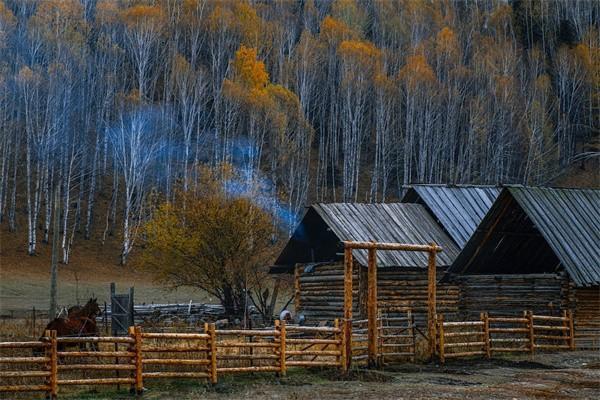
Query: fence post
{"x": 341, "y": 337}
{"x": 280, "y": 326}
{"x": 52, "y": 364}
{"x": 213, "y": 353}
{"x": 571, "y": 330}
{"x": 139, "y": 376}
{"x": 531, "y": 332}
{"x": 486, "y": 334}
{"x": 440, "y": 330}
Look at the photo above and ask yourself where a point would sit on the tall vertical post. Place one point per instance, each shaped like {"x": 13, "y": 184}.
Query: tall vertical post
{"x": 213, "y": 353}
{"x": 53, "y": 364}
{"x": 54, "y": 263}
{"x": 440, "y": 323}
{"x": 531, "y": 332}
{"x": 431, "y": 299}
{"x": 348, "y": 304}
{"x": 486, "y": 334}
{"x": 372, "y": 307}
{"x": 280, "y": 326}
{"x": 139, "y": 379}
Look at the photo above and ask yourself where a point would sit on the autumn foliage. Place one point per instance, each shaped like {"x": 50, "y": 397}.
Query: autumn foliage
{"x": 342, "y": 100}
{"x": 212, "y": 240}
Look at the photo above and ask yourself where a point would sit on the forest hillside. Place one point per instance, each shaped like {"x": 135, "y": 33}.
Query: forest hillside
{"x": 110, "y": 107}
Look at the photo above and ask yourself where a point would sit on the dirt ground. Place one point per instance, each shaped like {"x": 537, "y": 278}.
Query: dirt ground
{"x": 568, "y": 375}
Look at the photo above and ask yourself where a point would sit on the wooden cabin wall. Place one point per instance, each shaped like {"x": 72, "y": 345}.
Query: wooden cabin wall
{"x": 399, "y": 289}
{"x": 587, "y": 318}
{"x": 545, "y": 294}
{"x": 321, "y": 292}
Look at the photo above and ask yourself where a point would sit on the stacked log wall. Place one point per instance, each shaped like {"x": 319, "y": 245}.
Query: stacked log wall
{"x": 322, "y": 292}
{"x": 401, "y": 289}
{"x": 587, "y": 318}
{"x": 510, "y": 295}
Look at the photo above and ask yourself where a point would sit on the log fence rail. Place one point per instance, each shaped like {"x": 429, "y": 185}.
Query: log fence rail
{"x": 490, "y": 335}
{"x": 141, "y": 356}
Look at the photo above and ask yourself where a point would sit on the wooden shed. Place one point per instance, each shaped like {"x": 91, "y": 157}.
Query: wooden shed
{"x": 536, "y": 249}
{"x": 314, "y": 254}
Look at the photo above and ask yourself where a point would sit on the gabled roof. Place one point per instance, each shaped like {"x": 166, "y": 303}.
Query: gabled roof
{"x": 459, "y": 209}
{"x": 324, "y": 226}
{"x": 535, "y": 230}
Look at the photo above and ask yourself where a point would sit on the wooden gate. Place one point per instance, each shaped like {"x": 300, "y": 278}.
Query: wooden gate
{"x": 121, "y": 311}
{"x": 396, "y": 338}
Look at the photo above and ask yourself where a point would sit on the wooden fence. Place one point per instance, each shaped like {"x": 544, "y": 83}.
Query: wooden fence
{"x": 490, "y": 335}
{"x": 141, "y": 356}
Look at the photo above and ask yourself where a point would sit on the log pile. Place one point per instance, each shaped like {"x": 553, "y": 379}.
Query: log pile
{"x": 188, "y": 313}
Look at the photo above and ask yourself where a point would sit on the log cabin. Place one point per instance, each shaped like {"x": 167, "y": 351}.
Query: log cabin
{"x": 314, "y": 254}
{"x": 536, "y": 249}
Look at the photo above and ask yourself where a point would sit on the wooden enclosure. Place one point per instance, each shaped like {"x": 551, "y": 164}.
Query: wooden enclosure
{"x": 374, "y": 344}
{"x": 141, "y": 357}
{"x": 490, "y": 335}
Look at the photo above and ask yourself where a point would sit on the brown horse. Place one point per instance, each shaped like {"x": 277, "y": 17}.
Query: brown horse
{"x": 80, "y": 321}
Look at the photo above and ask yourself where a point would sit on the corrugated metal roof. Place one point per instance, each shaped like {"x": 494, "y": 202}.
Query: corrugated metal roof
{"x": 569, "y": 220}
{"x": 537, "y": 230}
{"x": 459, "y": 209}
{"x": 392, "y": 222}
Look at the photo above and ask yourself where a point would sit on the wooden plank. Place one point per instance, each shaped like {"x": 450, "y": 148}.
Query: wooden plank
{"x": 24, "y": 388}
{"x": 249, "y": 369}
{"x": 24, "y": 360}
{"x": 96, "y": 381}
{"x": 23, "y": 374}
{"x": 23, "y": 345}
{"x": 155, "y": 335}
{"x": 124, "y": 354}
{"x": 348, "y": 261}
{"x": 372, "y": 306}
{"x": 103, "y": 367}
{"x": 154, "y": 375}
{"x": 431, "y": 300}
{"x": 175, "y": 361}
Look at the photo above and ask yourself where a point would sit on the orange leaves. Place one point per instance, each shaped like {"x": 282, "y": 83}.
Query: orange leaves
{"x": 417, "y": 71}
{"x": 360, "y": 51}
{"x": 248, "y": 70}
{"x": 142, "y": 14}
{"x": 60, "y": 22}
{"x": 334, "y": 31}
{"x": 240, "y": 19}
{"x": 7, "y": 19}
{"x": 361, "y": 61}
{"x": 248, "y": 22}
{"x": 446, "y": 42}
{"x": 26, "y": 75}
{"x": 249, "y": 81}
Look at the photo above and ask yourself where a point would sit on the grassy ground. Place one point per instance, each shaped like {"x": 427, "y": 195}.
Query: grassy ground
{"x": 25, "y": 280}
{"x": 574, "y": 375}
